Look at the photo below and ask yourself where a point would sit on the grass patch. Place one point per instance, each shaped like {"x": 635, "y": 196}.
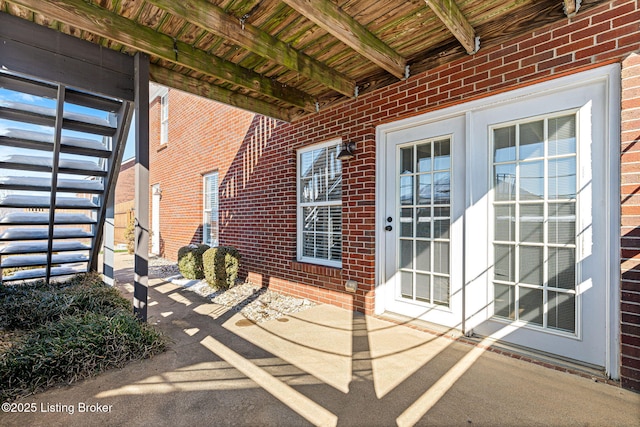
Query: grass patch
{"x": 60, "y": 333}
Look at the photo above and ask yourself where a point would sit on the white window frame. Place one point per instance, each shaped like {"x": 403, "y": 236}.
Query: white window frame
{"x": 300, "y": 206}
{"x": 206, "y": 212}
{"x": 164, "y": 117}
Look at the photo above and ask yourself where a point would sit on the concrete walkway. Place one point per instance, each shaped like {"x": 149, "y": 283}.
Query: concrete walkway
{"x": 324, "y": 366}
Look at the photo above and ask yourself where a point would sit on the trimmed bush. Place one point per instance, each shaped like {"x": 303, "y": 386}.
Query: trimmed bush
{"x": 221, "y": 266}
{"x": 190, "y": 261}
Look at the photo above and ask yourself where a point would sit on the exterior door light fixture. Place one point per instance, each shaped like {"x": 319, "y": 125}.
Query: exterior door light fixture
{"x": 347, "y": 151}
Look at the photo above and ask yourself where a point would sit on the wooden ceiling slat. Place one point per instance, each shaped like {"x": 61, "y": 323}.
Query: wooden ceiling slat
{"x": 456, "y": 22}
{"x": 213, "y": 19}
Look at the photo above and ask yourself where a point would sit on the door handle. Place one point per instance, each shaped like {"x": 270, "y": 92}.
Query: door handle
{"x": 388, "y": 228}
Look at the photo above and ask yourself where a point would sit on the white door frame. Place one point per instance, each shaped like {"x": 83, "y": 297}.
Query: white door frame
{"x": 477, "y": 203}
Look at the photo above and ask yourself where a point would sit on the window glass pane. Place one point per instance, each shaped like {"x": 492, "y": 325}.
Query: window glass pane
{"x": 505, "y": 182}
{"x": 562, "y": 178}
{"x": 504, "y": 144}
{"x": 335, "y": 225}
{"x": 335, "y": 188}
{"x": 562, "y": 223}
{"x": 423, "y": 222}
{"x": 306, "y": 164}
{"x": 562, "y": 268}
{"x": 406, "y": 190}
{"x": 562, "y": 311}
{"x": 309, "y": 218}
{"x": 531, "y": 267}
{"x": 322, "y": 219}
{"x": 441, "y": 290}
{"x": 532, "y": 180}
{"x": 306, "y": 190}
{"x": 442, "y": 188}
{"x": 531, "y": 140}
{"x": 504, "y": 267}
{"x": 406, "y": 284}
{"x": 531, "y": 223}
{"x": 530, "y": 305}
{"x": 424, "y": 189}
{"x": 406, "y": 160}
{"x": 406, "y": 254}
{"x": 441, "y": 257}
{"x": 504, "y": 301}
{"x": 308, "y": 244}
{"x": 423, "y": 256}
{"x": 322, "y": 246}
{"x": 406, "y": 222}
{"x": 423, "y": 287}
{"x": 562, "y": 135}
{"x": 441, "y": 155}
{"x": 335, "y": 246}
{"x": 424, "y": 157}
{"x": 505, "y": 223}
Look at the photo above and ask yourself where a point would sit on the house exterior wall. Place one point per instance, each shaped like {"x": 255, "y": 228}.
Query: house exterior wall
{"x": 256, "y": 160}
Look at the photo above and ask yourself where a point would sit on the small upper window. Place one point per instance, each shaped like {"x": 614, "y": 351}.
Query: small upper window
{"x": 164, "y": 118}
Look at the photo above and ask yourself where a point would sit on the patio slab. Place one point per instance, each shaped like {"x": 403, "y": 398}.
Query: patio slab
{"x": 323, "y": 366}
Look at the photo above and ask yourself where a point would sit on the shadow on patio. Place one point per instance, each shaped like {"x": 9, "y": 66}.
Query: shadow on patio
{"x": 323, "y": 366}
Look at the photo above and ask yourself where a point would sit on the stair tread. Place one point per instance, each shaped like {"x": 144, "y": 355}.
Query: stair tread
{"x": 43, "y": 218}
{"x": 38, "y": 273}
{"x": 31, "y": 260}
{"x": 43, "y": 233}
{"x": 51, "y": 112}
{"x": 44, "y": 201}
{"x": 83, "y": 165}
{"x": 36, "y": 247}
{"x": 78, "y": 185}
{"x": 47, "y": 138}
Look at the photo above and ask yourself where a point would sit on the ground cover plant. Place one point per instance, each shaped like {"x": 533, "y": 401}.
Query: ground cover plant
{"x": 60, "y": 333}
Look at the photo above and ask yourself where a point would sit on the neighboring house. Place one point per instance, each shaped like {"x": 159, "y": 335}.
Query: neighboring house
{"x": 124, "y": 201}
{"x": 496, "y": 194}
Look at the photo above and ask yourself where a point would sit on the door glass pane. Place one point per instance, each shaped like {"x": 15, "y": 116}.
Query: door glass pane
{"x": 562, "y": 311}
{"x": 406, "y": 160}
{"x": 406, "y": 284}
{"x": 423, "y": 222}
{"x": 505, "y": 223}
{"x": 441, "y": 188}
{"x": 531, "y": 266}
{"x": 504, "y": 182}
{"x": 530, "y": 305}
{"x": 441, "y": 257}
{"x": 531, "y": 223}
{"x": 423, "y": 256}
{"x": 406, "y": 222}
{"x": 424, "y": 189}
{"x": 406, "y": 254}
{"x": 504, "y": 144}
{"x": 424, "y": 157}
{"x": 504, "y": 301}
{"x": 562, "y": 135}
{"x": 441, "y": 155}
{"x": 504, "y": 265}
{"x": 562, "y": 268}
{"x": 532, "y": 180}
{"x": 406, "y": 190}
{"x": 531, "y": 140}
{"x": 423, "y": 287}
{"x": 562, "y": 178}
{"x": 441, "y": 290}
{"x": 562, "y": 223}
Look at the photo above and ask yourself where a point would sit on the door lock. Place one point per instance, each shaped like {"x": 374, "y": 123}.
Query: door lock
{"x": 388, "y": 228}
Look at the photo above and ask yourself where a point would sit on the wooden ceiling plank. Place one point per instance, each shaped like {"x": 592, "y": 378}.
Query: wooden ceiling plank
{"x": 456, "y": 22}
{"x": 334, "y": 20}
{"x": 198, "y": 87}
{"x": 126, "y": 32}
{"x": 213, "y": 19}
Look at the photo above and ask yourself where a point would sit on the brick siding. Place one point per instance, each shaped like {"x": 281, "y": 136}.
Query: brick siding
{"x": 256, "y": 160}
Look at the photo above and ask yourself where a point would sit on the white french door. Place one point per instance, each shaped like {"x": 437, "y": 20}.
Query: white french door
{"x": 423, "y": 225}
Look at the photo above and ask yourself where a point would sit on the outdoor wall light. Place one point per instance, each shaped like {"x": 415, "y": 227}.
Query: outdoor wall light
{"x": 157, "y": 191}
{"x": 347, "y": 151}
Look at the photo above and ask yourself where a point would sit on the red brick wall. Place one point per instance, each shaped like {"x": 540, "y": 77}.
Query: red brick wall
{"x": 257, "y": 160}
{"x": 630, "y": 254}
{"x": 196, "y": 126}
{"x": 125, "y": 189}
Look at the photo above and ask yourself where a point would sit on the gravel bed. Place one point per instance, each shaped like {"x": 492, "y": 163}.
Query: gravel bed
{"x": 254, "y": 302}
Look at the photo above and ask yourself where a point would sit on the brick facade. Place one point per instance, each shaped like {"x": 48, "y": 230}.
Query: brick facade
{"x": 126, "y": 188}
{"x": 256, "y": 159}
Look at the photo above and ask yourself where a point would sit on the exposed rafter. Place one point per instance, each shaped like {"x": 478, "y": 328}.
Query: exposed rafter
{"x": 571, "y": 7}
{"x": 455, "y": 21}
{"x": 179, "y": 81}
{"x": 211, "y": 18}
{"x": 126, "y": 32}
{"x": 334, "y": 20}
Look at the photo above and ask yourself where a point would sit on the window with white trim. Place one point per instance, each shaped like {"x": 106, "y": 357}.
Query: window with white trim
{"x": 164, "y": 118}
{"x": 210, "y": 214}
{"x": 320, "y": 204}
{"x": 534, "y": 207}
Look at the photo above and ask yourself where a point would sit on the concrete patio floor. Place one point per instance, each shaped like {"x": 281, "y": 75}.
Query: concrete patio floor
{"x": 324, "y": 366}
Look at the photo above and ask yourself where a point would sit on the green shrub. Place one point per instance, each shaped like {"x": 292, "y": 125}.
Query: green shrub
{"x": 190, "y": 261}
{"x": 130, "y": 235}
{"x": 221, "y": 266}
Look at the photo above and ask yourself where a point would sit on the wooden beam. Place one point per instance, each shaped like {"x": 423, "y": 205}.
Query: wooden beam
{"x": 334, "y": 20}
{"x": 571, "y": 7}
{"x": 455, "y": 21}
{"x": 213, "y": 19}
{"x": 179, "y": 81}
{"x": 123, "y": 31}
